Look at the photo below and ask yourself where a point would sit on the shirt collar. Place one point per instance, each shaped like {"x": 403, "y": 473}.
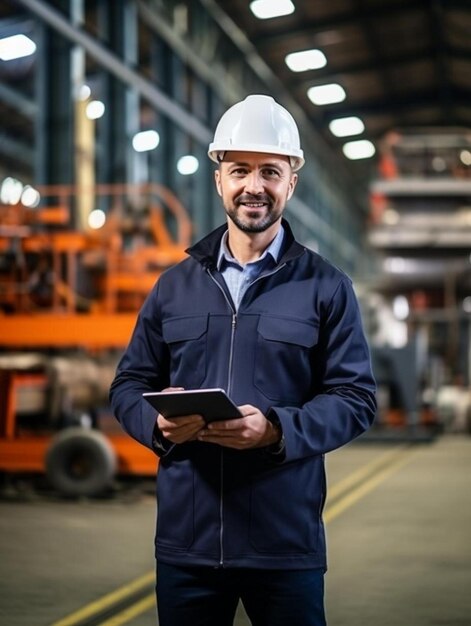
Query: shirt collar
{"x": 273, "y": 249}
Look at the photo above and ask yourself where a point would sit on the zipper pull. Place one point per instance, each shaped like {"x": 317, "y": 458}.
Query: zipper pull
{"x": 234, "y": 321}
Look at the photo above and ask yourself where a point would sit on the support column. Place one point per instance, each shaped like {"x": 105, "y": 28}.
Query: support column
{"x": 54, "y": 97}
{"x": 116, "y": 162}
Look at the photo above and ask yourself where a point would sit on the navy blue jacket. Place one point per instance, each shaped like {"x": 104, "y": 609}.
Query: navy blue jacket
{"x": 296, "y": 350}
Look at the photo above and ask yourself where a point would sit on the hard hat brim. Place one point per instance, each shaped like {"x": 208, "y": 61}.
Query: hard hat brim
{"x": 296, "y": 156}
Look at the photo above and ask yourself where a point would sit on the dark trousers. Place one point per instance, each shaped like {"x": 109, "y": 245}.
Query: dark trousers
{"x": 205, "y": 596}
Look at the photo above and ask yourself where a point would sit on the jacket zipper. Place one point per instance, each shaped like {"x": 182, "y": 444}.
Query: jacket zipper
{"x": 233, "y": 327}
{"x": 229, "y": 388}
{"x": 229, "y": 385}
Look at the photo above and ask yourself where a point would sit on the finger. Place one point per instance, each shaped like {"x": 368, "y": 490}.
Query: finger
{"x": 181, "y": 435}
{"x": 225, "y": 425}
{"x": 178, "y": 422}
{"x": 225, "y": 441}
{"x": 248, "y": 409}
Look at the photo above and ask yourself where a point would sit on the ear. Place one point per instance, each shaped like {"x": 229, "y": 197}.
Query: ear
{"x": 217, "y": 180}
{"x": 292, "y": 185}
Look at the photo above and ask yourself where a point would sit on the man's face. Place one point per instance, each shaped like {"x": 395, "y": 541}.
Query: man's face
{"x": 254, "y": 188}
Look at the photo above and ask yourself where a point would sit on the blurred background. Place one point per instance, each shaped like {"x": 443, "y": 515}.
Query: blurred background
{"x": 106, "y": 112}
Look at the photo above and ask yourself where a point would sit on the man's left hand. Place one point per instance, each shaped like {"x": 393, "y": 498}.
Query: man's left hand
{"x": 253, "y": 430}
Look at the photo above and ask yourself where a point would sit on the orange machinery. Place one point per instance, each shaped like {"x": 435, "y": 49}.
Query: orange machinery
{"x": 70, "y": 294}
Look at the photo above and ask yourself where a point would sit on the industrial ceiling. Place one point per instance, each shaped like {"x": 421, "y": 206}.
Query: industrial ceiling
{"x": 404, "y": 67}
{"x": 402, "y": 63}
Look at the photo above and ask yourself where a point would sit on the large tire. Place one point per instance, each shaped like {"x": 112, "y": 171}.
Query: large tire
{"x": 80, "y": 462}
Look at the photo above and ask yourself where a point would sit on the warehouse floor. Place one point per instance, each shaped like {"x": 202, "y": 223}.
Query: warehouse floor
{"x": 399, "y": 534}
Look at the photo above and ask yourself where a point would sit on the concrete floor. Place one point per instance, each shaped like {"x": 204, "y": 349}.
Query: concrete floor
{"x": 399, "y": 534}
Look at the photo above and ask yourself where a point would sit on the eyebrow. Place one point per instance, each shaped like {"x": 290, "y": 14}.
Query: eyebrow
{"x": 247, "y": 164}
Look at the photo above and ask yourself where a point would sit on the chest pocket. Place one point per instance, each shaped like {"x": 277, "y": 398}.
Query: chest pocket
{"x": 186, "y": 338}
{"x": 283, "y": 355}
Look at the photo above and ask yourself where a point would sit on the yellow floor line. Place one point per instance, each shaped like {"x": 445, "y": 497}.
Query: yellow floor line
{"x": 133, "y": 611}
{"x": 107, "y": 600}
{"x": 362, "y": 490}
{"x": 355, "y": 477}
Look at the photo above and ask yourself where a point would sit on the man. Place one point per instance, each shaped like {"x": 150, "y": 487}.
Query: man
{"x": 274, "y": 324}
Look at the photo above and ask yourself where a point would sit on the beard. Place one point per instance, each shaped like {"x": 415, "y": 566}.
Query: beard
{"x": 252, "y": 221}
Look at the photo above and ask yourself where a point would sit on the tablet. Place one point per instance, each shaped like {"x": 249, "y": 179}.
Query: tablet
{"x": 212, "y": 404}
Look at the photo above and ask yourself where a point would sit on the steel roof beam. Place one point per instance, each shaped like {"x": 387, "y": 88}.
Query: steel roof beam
{"x": 309, "y": 78}
{"x": 339, "y": 20}
{"x": 123, "y": 72}
{"x": 437, "y": 15}
{"x": 16, "y": 100}
{"x": 413, "y": 100}
{"x": 376, "y": 52}
{"x": 16, "y": 150}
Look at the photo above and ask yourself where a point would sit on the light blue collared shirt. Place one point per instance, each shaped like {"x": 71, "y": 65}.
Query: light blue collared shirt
{"x": 239, "y": 277}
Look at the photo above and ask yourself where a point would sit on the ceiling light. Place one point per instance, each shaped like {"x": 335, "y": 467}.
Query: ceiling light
{"x": 395, "y": 265}
{"x": 305, "y": 60}
{"x": 326, "y": 94}
{"x": 401, "y": 308}
{"x": 96, "y": 219}
{"x": 465, "y": 157}
{"x": 146, "y": 140}
{"x": 346, "y": 126}
{"x": 362, "y": 149}
{"x": 84, "y": 92}
{"x": 391, "y": 217}
{"x": 267, "y": 9}
{"x": 95, "y": 109}
{"x": 16, "y": 47}
{"x": 11, "y": 190}
{"x": 438, "y": 164}
{"x": 30, "y": 196}
{"x": 187, "y": 164}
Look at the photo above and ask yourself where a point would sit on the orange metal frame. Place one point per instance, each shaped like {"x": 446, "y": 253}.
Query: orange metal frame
{"x": 124, "y": 275}
{"x": 24, "y": 451}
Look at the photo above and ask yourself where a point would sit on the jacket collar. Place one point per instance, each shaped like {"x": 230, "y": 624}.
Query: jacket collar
{"x": 206, "y": 250}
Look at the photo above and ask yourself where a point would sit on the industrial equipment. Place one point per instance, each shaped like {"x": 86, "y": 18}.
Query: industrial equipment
{"x": 68, "y": 302}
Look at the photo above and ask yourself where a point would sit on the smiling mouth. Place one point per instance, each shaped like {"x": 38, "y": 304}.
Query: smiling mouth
{"x": 254, "y": 205}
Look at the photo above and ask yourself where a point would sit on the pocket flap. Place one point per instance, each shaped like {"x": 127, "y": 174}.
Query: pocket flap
{"x": 184, "y": 328}
{"x": 288, "y": 330}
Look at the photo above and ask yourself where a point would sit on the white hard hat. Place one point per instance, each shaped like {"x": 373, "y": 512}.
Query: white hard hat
{"x": 257, "y": 124}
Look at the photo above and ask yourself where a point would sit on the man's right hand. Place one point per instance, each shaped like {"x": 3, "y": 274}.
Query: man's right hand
{"x": 180, "y": 429}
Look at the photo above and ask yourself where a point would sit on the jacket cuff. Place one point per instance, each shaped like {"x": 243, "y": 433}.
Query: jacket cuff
{"x": 160, "y": 445}
{"x": 277, "y": 450}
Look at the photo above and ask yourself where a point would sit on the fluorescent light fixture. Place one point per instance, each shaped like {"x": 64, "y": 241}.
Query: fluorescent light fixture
{"x": 362, "y": 149}
{"x": 16, "y": 47}
{"x": 346, "y": 126}
{"x": 146, "y": 140}
{"x": 95, "y": 109}
{"x": 305, "y": 60}
{"x": 326, "y": 94}
{"x": 187, "y": 164}
{"x": 267, "y": 9}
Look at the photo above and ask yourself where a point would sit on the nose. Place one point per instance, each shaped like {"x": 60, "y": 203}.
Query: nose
{"x": 254, "y": 183}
